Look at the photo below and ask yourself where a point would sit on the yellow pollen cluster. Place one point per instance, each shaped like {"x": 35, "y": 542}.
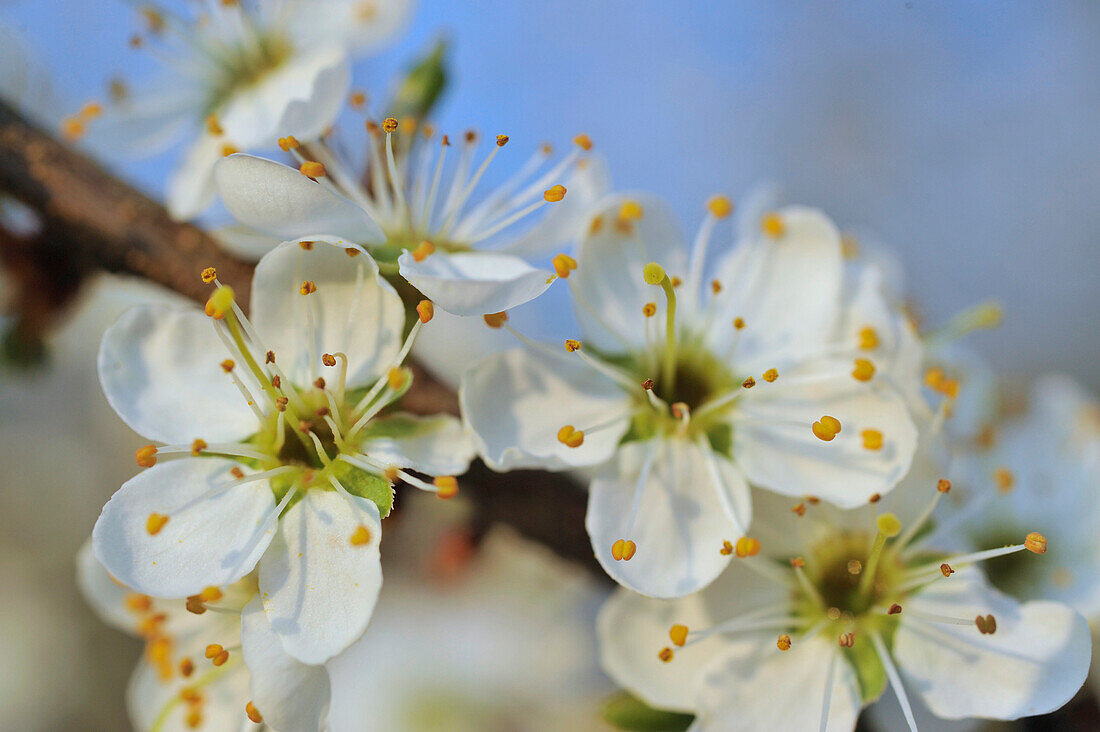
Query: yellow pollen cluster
{"x": 727, "y": 548}
{"x": 208, "y": 275}
{"x": 946, "y": 570}
{"x": 312, "y": 169}
{"x": 197, "y": 447}
{"x": 772, "y": 225}
{"x": 389, "y": 124}
{"x": 665, "y": 655}
{"x": 554, "y": 193}
{"x": 495, "y": 320}
{"x": 1004, "y": 479}
{"x": 771, "y": 375}
{"x": 678, "y": 634}
{"x": 447, "y": 486}
{"x": 937, "y": 381}
{"x": 146, "y": 457}
{"x": 360, "y": 536}
{"x": 623, "y": 550}
{"x": 595, "y": 225}
{"x": 155, "y": 523}
{"x": 425, "y": 310}
{"x": 308, "y": 287}
{"x": 715, "y": 286}
{"x": 572, "y": 345}
{"x": 631, "y": 211}
{"x": 423, "y": 251}
{"x": 357, "y": 99}
{"x": 253, "y": 714}
{"x": 564, "y": 264}
{"x": 799, "y": 509}
{"x": 570, "y": 436}
{"x": 583, "y": 141}
{"x": 227, "y": 365}
{"x": 987, "y": 625}
{"x": 1035, "y": 543}
{"x": 502, "y": 140}
{"x": 826, "y": 428}
{"x": 868, "y": 338}
{"x": 74, "y": 127}
{"x": 649, "y": 309}
{"x": 719, "y": 207}
{"x": 739, "y": 323}
{"x": 747, "y": 547}
{"x": 288, "y": 143}
{"x": 943, "y": 485}
{"x": 864, "y": 370}
{"x": 229, "y": 149}
{"x": 872, "y": 439}
{"x": 783, "y": 642}
{"x": 847, "y": 640}
{"x": 895, "y": 609}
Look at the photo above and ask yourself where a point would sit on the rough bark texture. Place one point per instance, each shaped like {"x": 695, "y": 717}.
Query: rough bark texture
{"x": 94, "y": 221}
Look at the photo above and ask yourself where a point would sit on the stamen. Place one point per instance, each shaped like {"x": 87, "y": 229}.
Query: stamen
{"x": 495, "y": 320}
{"x": 312, "y": 170}
{"x": 747, "y": 547}
{"x": 361, "y": 536}
{"x": 772, "y": 225}
{"x": 864, "y": 370}
{"x": 783, "y": 643}
{"x": 425, "y": 310}
{"x": 895, "y": 680}
{"x": 564, "y": 264}
{"x": 888, "y": 527}
{"x": 155, "y": 523}
{"x": 146, "y": 457}
{"x": 447, "y": 486}
{"x": 253, "y": 714}
{"x": 678, "y": 634}
{"x": 623, "y": 550}
{"x": 872, "y": 439}
{"x": 943, "y": 486}
{"x": 570, "y": 436}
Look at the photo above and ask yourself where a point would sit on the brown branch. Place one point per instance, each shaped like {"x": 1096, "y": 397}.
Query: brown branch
{"x": 107, "y": 224}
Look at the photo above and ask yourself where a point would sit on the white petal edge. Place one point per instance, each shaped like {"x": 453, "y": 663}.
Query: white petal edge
{"x": 475, "y": 283}
{"x": 437, "y": 445}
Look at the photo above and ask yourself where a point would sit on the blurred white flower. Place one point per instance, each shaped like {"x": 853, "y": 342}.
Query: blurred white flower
{"x": 814, "y": 623}
{"x": 776, "y": 366}
{"x": 281, "y": 450}
{"x": 237, "y": 75}
{"x": 414, "y": 218}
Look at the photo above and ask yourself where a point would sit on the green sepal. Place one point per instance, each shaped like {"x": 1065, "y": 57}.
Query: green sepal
{"x": 627, "y": 712}
{"x": 360, "y": 483}
{"x": 401, "y": 426}
{"x": 422, "y": 86}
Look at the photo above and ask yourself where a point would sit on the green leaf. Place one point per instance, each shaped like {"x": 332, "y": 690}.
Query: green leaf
{"x": 365, "y": 485}
{"x": 630, "y": 713}
{"x": 419, "y": 91}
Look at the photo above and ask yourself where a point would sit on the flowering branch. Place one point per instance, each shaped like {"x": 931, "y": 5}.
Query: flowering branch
{"x": 101, "y": 222}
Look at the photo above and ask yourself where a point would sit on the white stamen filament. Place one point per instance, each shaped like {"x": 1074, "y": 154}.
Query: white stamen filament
{"x": 895, "y": 680}
{"x": 826, "y": 702}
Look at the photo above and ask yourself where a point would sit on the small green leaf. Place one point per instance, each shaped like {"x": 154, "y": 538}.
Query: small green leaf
{"x": 419, "y": 91}
{"x": 365, "y": 485}
{"x": 630, "y": 713}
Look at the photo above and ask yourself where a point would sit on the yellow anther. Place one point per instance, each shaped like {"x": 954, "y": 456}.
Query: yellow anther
{"x": 209, "y": 275}
{"x": 153, "y": 18}
{"x": 888, "y": 525}
{"x": 678, "y": 634}
{"x": 328, "y": 359}
{"x": 357, "y": 99}
{"x": 444, "y": 141}
{"x": 595, "y": 225}
{"x": 864, "y": 370}
{"x": 1004, "y": 479}
{"x": 653, "y": 274}
{"x": 502, "y": 140}
{"x": 564, "y": 264}
{"x": 229, "y": 149}
{"x": 360, "y": 536}
{"x": 665, "y": 654}
{"x": 308, "y": 287}
{"x": 197, "y": 447}
{"x": 623, "y": 550}
{"x": 396, "y": 378}
{"x": 895, "y": 609}
{"x": 739, "y": 323}
{"x": 748, "y": 383}
{"x": 146, "y": 457}
{"x": 570, "y": 436}
{"x": 583, "y": 141}
{"x": 831, "y": 422}
{"x": 155, "y": 523}
{"x": 868, "y": 338}
{"x": 210, "y": 594}
{"x": 715, "y": 286}
{"x": 771, "y": 375}
{"x": 649, "y": 309}
{"x": 720, "y": 206}
{"x": 312, "y": 169}
{"x": 946, "y": 570}
{"x": 194, "y": 718}
{"x": 187, "y": 667}
{"x": 253, "y": 714}
{"x": 798, "y": 563}
{"x": 554, "y": 193}
{"x": 288, "y": 143}
{"x": 425, "y": 310}
{"x": 747, "y": 547}
{"x": 91, "y": 110}
{"x": 447, "y": 486}
{"x": 987, "y": 625}
{"x": 943, "y": 485}
{"x": 872, "y": 439}
{"x": 676, "y": 281}
{"x": 269, "y": 357}
{"x": 138, "y": 603}
{"x": 227, "y": 365}
{"x": 423, "y": 250}
{"x": 220, "y": 303}
{"x": 727, "y": 548}
{"x": 631, "y": 211}
{"x": 572, "y": 345}
{"x": 826, "y": 428}
{"x": 772, "y": 225}
{"x": 221, "y": 658}
{"x": 389, "y": 124}
{"x": 73, "y": 127}
{"x": 799, "y": 509}
{"x": 1035, "y": 543}
{"x": 847, "y": 640}
{"x": 495, "y": 320}
{"x": 875, "y": 498}
{"x": 213, "y": 650}
{"x": 783, "y": 643}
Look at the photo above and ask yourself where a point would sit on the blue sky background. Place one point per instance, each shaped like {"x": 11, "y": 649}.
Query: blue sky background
{"x": 965, "y": 135}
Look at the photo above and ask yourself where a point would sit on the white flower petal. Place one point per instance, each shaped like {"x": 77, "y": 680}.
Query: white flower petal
{"x": 244, "y": 242}
{"x": 211, "y": 537}
{"x": 150, "y": 120}
{"x": 787, "y": 290}
{"x": 106, "y": 596}
{"x": 515, "y": 403}
{"x": 319, "y": 588}
{"x": 358, "y": 26}
{"x": 682, "y": 517}
{"x": 148, "y": 696}
{"x": 779, "y": 691}
{"x": 475, "y": 283}
{"x": 301, "y": 97}
{"x": 279, "y": 200}
{"x": 290, "y": 695}
{"x": 775, "y": 446}
{"x": 160, "y": 370}
{"x": 610, "y": 261}
{"x": 353, "y": 311}
{"x": 632, "y": 629}
{"x": 437, "y": 445}
{"x": 190, "y": 189}
{"x": 1033, "y": 664}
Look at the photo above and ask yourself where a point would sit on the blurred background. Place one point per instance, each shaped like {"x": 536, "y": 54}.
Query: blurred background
{"x": 965, "y": 136}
